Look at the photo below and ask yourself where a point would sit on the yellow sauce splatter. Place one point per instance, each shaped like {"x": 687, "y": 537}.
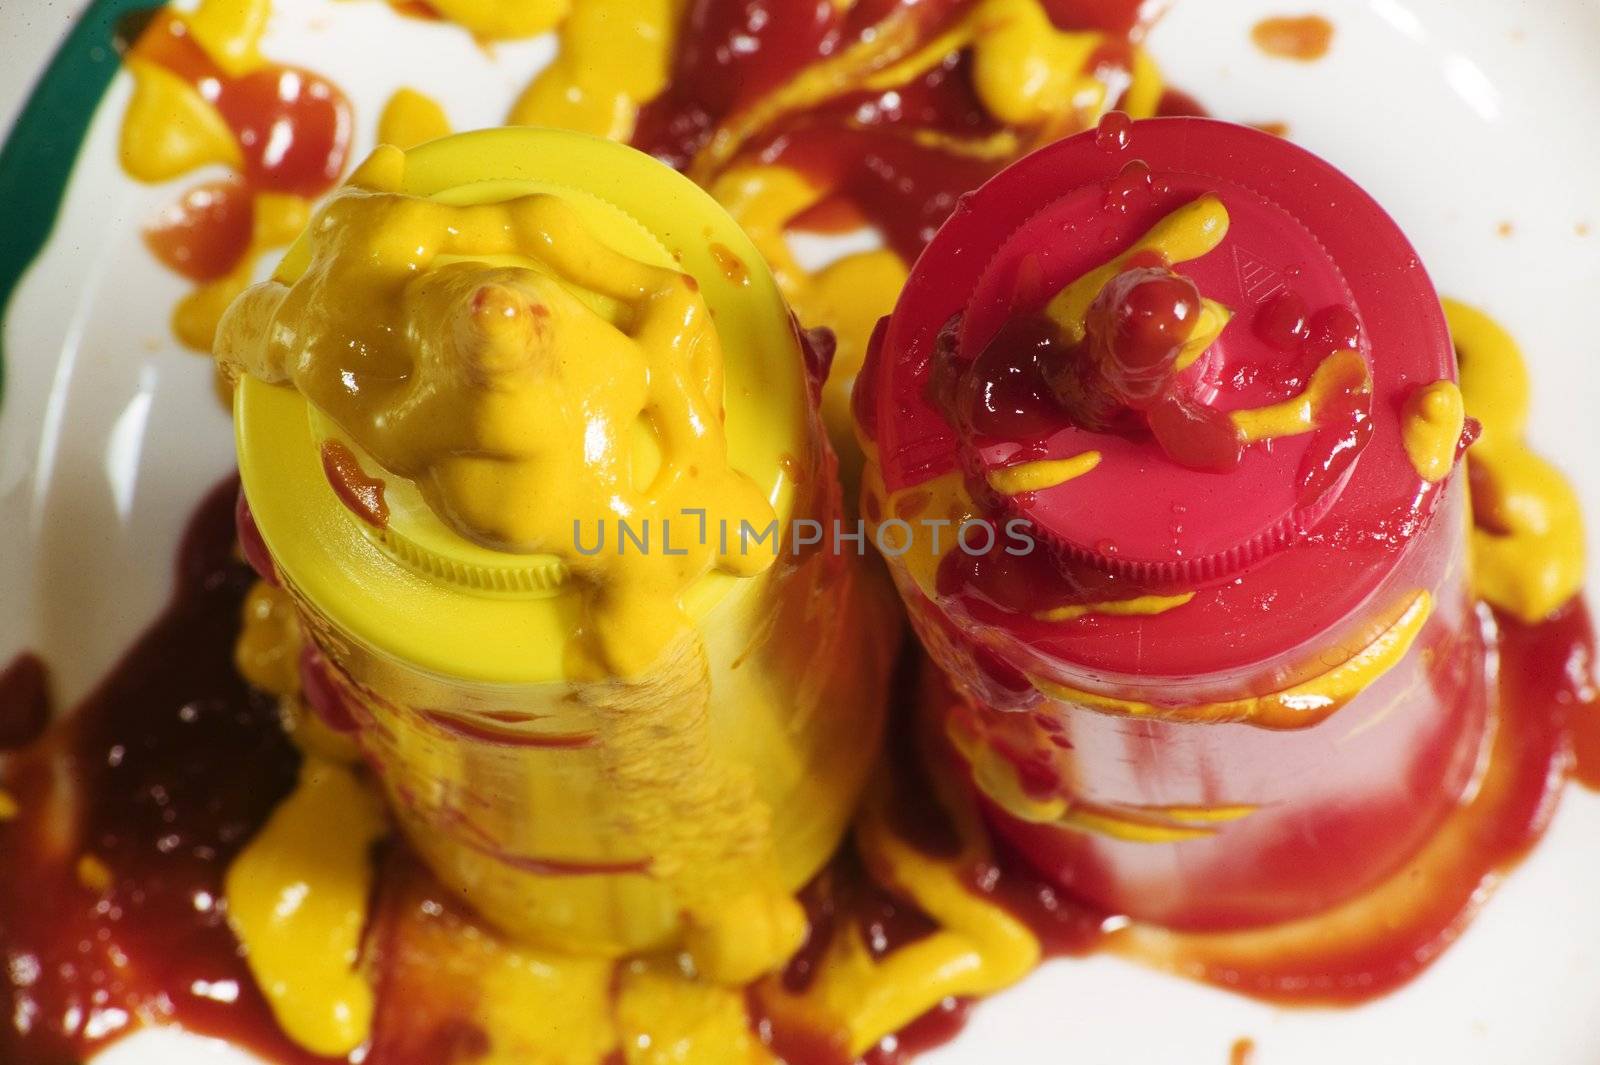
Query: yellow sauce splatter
{"x": 297, "y": 899}
{"x": 1040, "y": 475}
{"x": 170, "y": 129}
{"x": 1139, "y": 606}
{"x": 497, "y": 20}
{"x": 1337, "y": 375}
{"x": 978, "y": 949}
{"x": 9, "y": 809}
{"x": 267, "y": 655}
{"x": 1527, "y": 544}
{"x": 935, "y": 510}
{"x": 230, "y": 31}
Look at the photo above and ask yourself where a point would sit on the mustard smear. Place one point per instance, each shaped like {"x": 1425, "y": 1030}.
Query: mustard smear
{"x": 504, "y": 19}
{"x": 1042, "y": 474}
{"x": 979, "y": 947}
{"x": 1527, "y": 543}
{"x": 997, "y": 777}
{"x": 1301, "y": 706}
{"x": 1336, "y": 375}
{"x": 1191, "y": 231}
{"x": 528, "y": 379}
{"x": 297, "y": 899}
{"x": 1430, "y": 429}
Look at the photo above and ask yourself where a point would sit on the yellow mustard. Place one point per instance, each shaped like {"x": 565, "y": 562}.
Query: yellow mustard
{"x": 605, "y": 753}
{"x": 522, "y": 412}
{"x": 1527, "y": 543}
{"x": 297, "y": 899}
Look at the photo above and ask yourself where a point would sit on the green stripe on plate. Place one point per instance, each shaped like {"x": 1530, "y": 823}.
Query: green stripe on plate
{"x": 38, "y": 157}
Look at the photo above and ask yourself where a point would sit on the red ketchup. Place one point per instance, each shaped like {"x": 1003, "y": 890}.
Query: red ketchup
{"x": 1299, "y": 695}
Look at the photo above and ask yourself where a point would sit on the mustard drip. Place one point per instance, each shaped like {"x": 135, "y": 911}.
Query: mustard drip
{"x": 1430, "y": 429}
{"x": 1139, "y": 606}
{"x": 1341, "y": 372}
{"x": 1301, "y": 706}
{"x": 514, "y": 393}
{"x": 1527, "y": 545}
{"x": 997, "y": 777}
{"x": 297, "y": 899}
{"x": 978, "y": 949}
{"x": 1040, "y": 475}
{"x": 267, "y": 655}
{"x": 1193, "y": 230}
{"x": 935, "y": 511}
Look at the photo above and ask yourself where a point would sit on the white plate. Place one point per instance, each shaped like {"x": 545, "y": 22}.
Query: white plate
{"x": 1459, "y": 115}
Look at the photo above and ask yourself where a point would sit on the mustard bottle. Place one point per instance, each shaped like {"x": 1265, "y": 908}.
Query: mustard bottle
{"x": 527, "y": 431}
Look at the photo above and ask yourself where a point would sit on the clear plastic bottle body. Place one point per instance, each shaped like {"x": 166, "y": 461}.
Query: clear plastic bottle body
{"x": 1208, "y": 825}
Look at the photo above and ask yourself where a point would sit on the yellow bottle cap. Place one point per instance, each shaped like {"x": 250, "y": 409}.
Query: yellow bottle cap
{"x": 417, "y": 591}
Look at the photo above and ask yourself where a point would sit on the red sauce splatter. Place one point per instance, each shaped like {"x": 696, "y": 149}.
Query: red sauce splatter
{"x": 1334, "y": 329}
{"x": 1283, "y": 321}
{"x": 292, "y": 126}
{"x": 207, "y": 232}
{"x": 1243, "y": 1052}
{"x": 417, "y": 9}
{"x": 293, "y": 131}
{"x": 1114, "y": 131}
{"x": 362, "y": 494}
{"x": 731, "y": 266}
{"x": 868, "y": 148}
{"x": 1175, "y": 103}
{"x": 24, "y": 701}
{"x": 251, "y": 545}
{"x": 1304, "y": 38}
{"x": 322, "y": 694}
{"x": 168, "y": 767}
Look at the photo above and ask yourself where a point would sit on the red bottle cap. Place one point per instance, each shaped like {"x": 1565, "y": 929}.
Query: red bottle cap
{"x": 1310, "y": 264}
{"x": 1140, "y": 513}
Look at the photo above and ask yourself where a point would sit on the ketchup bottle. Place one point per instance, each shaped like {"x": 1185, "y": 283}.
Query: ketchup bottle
{"x": 1189, "y": 395}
